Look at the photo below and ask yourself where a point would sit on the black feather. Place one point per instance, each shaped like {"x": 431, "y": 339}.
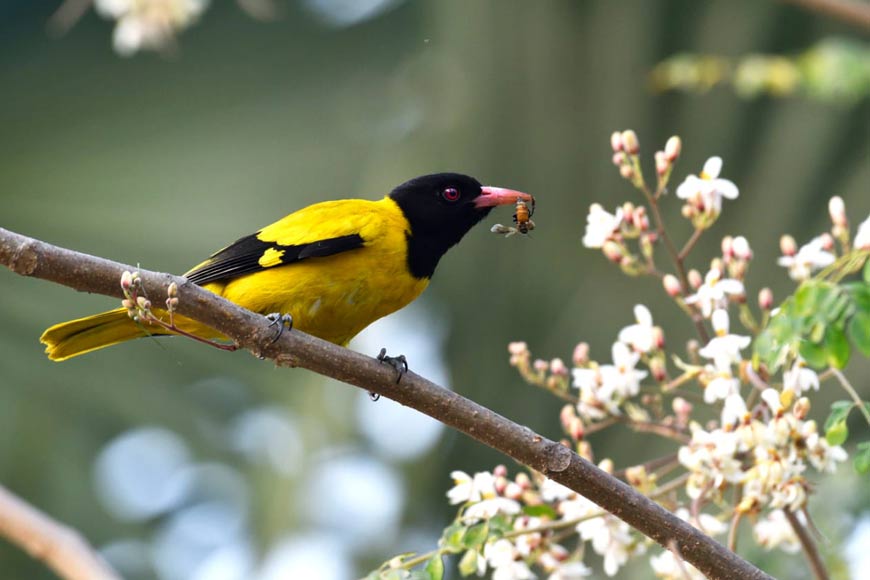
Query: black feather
{"x": 243, "y": 256}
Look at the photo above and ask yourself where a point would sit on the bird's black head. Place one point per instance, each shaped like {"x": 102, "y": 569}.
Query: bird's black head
{"x": 440, "y": 209}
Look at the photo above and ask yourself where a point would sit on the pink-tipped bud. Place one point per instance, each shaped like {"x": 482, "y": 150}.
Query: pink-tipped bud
{"x": 584, "y": 450}
{"x": 837, "y": 209}
{"x": 672, "y": 285}
{"x": 619, "y": 158}
{"x": 128, "y": 304}
{"x": 576, "y": 429}
{"x": 801, "y": 408}
{"x": 765, "y": 299}
{"x": 126, "y": 280}
{"x": 626, "y": 171}
{"x": 695, "y": 279}
{"x": 566, "y": 415}
{"x": 172, "y": 290}
{"x": 606, "y": 465}
{"x": 501, "y": 484}
{"x": 616, "y": 142}
{"x": 673, "y": 148}
{"x": 513, "y": 491}
{"x": 500, "y": 470}
{"x": 612, "y": 251}
{"x": 523, "y": 480}
{"x": 581, "y": 354}
{"x": 143, "y": 303}
{"x": 658, "y": 370}
{"x": 687, "y": 211}
{"x": 662, "y": 162}
{"x": 628, "y": 212}
{"x": 172, "y": 303}
{"x": 741, "y": 249}
{"x": 541, "y": 365}
{"x": 827, "y": 241}
{"x": 682, "y": 409}
{"x": 630, "y": 142}
{"x": 658, "y": 336}
{"x": 518, "y": 348}
{"x": 558, "y": 368}
{"x": 787, "y": 245}
{"x": 727, "y": 248}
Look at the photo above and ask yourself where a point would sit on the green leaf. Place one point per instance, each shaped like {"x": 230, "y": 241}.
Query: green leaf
{"x": 861, "y": 461}
{"x": 839, "y": 412}
{"x": 453, "y": 536}
{"x": 468, "y": 563}
{"x": 867, "y": 271}
{"x": 541, "y": 510}
{"x": 435, "y": 567}
{"x": 837, "y": 434}
{"x": 417, "y": 575}
{"x": 814, "y": 354}
{"x": 859, "y": 330}
{"x": 476, "y": 536}
{"x": 837, "y": 348}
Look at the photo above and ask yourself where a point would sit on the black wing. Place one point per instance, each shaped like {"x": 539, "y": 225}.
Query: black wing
{"x": 244, "y": 256}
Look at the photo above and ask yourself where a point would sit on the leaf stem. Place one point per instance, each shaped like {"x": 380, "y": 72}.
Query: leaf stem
{"x": 847, "y": 386}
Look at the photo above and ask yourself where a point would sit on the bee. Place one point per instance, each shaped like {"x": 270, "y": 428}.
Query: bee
{"x": 523, "y": 216}
{"x": 522, "y": 219}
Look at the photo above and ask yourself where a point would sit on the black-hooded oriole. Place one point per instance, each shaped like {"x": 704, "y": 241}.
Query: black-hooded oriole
{"x": 335, "y": 266}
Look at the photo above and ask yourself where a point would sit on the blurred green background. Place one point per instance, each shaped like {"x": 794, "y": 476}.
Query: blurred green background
{"x": 186, "y": 462}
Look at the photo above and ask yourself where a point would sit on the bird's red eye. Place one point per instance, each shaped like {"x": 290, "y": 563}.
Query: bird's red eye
{"x": 450, "y": 194}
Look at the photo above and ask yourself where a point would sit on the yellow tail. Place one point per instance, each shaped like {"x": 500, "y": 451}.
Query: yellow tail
{"x": 69, "y": 339}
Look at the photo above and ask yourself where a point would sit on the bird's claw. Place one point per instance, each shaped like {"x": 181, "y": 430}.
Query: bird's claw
{"x": 282, "y": 321}
{"x": 400, "y": 363}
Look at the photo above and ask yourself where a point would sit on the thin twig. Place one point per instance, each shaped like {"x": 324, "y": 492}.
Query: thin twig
{"x": 808, "y": 545}
{"x": 30, "y": 257}
{"x": 61, "y": 548}
{"x": 847, "y": 386}
{"x": 690, "y": 244}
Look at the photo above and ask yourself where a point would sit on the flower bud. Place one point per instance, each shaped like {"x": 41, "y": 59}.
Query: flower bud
{"x": 172, "y": 304}
{"x": 566, "y": 415}
{"x": 663, "y": 164}
{"x": 581, "y": 354}
{"x": 523, "y": 480}
{"x": 801, "y": 408}
{"x": 612, "y": 251}
{"x": 727, "y": 248}
{"x": 630, "y": 142}
{"x": 765, "y": 299}
{"x": 682, "y": 409}
{"x": 557, "y": 367}
{"x": 695, "y": 279}
{"x": 787, "y": 245}
{"x": 584, "y": 450}
{"x": 692, "y": 347}
{"x": 172, "y": 290}
{"x": 741, "y": 249}
{"x": 126, "y": 280}
{"x": 541, "y": 365}
{"x": 672, "y": 285}
{"x": 606, "y": 465}
{"x": 673, "y": 148}
{"x": 658, "y": 336}
{"x": 616, "y": 141}
{"x": 513, "y": 491}
{"x": 837, "y": 209}
{"x": 626, "y": 171}
{"x": 687, "y": 211}
{"x": 657, "y": 369}
{"x": 128, "y": 304}
{"x": 619, "y": 158}
{"x": 827, "y": 241}
{"x": 628, "y": 212}
{"x": 143, "y": 303}
{"x": 576, "y": 429}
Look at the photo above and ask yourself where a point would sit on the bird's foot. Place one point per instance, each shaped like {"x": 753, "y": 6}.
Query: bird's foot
{"x": 400, "y": 363}
{"x": 282, "y": 321}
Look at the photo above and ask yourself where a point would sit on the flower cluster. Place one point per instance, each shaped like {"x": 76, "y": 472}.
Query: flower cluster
{"x": 149, "y": 24}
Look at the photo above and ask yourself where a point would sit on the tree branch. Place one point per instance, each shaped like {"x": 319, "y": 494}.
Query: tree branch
{"x": 850, "y": 11}
{"x": 30, "y": 257}
{"x": 60, "y": 547}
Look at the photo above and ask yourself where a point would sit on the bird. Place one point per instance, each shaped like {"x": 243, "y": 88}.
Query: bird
{"x": 332, "y": 268}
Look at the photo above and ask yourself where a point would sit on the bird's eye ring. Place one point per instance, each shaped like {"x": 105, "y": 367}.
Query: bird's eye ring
{"x": 450, "y": 194}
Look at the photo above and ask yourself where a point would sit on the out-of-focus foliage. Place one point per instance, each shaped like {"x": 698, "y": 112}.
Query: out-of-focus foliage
{"x": 834, "y": 69}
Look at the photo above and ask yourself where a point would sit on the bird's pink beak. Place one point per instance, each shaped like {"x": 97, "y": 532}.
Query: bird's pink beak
{"x": 493, "y": 196}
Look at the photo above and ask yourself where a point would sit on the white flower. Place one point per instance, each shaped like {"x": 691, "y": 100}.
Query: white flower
{"x": 622, "y": 373}
{"x": 489, "y": 508}
{"x": 741, "y": 249}
{"x": 501, "y": 555}
{"x": 822, "y": 455}
{"x": 706, "y": 191}
{"x": 724, "y": 349}
{"x": 713, "y": 293}
{"x": 666, "y": 566}
{"x": 722, "y": 385}
{"x": 862, "y": 236}
{"x": 810, "y": 257}
{"x": 639, "y": 336}
{"x": 148, "y": 25}
{"x": 605, "y": 387}
{"x": 570, "y": 571}
{"x": 734, "y": 409}
{"x": 610, "y": 538}
{"x": 554, "y": 491}
{"x": 600, "y": 225}
{"x": 800, "y": 378}
{"x": 775, "y": 531}
{"x": 467, "y": 489}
